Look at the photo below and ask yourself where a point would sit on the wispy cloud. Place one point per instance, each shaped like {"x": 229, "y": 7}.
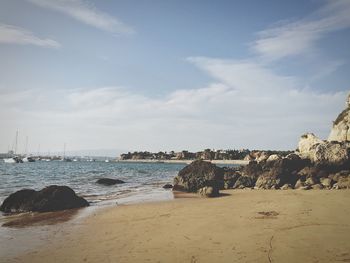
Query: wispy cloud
{"x": 292, "y": 38}
{"x": 87, "y": 13}
{"x": 16, "y": 35}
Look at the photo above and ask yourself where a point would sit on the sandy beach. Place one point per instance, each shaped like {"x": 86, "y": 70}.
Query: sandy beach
{"x": 239, "y": 226}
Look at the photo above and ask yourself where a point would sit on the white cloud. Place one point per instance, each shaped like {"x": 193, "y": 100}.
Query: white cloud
{"x": 217, "y": 116}
{"x": 16, "y": 35}
{"x": 293, "y": 38}
{"x": 85, "y": 12}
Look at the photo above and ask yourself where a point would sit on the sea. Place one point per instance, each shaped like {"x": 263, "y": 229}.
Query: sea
{"x": 143, "y": 181}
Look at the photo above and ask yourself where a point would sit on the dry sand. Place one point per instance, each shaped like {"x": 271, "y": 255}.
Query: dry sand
{"x": 241, "y": 226}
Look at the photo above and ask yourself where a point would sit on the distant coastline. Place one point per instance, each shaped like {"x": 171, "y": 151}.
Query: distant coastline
{"x": 238, "y": 162}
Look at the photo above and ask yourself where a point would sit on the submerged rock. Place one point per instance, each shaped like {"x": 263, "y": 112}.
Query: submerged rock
{"x": 51, "y": 198}
{"x": 197, "y": 175}
{"x": 109, "y": 181}
{"x": 167, "y": 186}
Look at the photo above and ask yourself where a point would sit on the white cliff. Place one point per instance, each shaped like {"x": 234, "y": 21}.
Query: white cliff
{"x": 340, "y": 131}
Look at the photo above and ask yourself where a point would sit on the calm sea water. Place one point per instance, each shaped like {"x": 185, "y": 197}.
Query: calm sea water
{"x": 143, "y": 180}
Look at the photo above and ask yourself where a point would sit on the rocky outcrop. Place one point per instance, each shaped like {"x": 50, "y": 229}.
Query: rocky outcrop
{"x": 230, "y": 177}
{"x": 109, "y": 181}
{"x": 306, "y": 142}
{"x": 244, "y": 182}
{"x": 197, "y": 175}
{"x": 341, "y": 126}
{"x": 330, "y": 154}
{"x": 51, "y": 198}
{"x": 279, "y": 172}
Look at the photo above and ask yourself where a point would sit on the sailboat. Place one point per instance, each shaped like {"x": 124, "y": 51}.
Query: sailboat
{"x": 64, "y": 155}
{"x": 27, "y": 158}
{"x": 14, "y": 159}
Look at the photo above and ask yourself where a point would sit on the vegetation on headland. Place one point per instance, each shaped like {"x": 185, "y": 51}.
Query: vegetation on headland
{"x": 206, "y": 154}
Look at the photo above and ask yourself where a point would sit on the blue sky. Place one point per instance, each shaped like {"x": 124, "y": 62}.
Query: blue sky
{"x": 163, "y": 75}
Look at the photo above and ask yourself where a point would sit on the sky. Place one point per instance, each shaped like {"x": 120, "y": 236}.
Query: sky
{"x": 130, "y": 75}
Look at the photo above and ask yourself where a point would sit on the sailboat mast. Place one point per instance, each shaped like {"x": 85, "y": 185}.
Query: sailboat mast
{"x": 16, "y": 141}
{"x": 26, "y": 147}
{"x": 64, "y": 150}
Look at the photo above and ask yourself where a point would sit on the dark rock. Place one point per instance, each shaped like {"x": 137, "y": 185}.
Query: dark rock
{"x": 267, "y": 181}
{"x": 307, "y": 172}
{"x": 230, "y": 177}
{"x": 109, "y": 181}
{"x": 311, "y": 181}
{"x": 198, "y": 175}
{"x": 167, "y": 186}
{"x": 51, "y": 198}
{"x": 209, "y": 191}
{"x": 252, "y": 169}
{"x": 244, "y": 182}
{"x": 343, "y": 182}
{"x": 278, "y": 172}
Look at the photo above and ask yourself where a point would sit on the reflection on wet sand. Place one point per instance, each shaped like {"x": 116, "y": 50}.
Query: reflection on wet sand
{"x": 39, "y": 219}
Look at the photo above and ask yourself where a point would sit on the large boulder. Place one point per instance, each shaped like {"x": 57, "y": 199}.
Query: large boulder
{"x": 109, "y": 181}
{"x": 279, "y": 172}
{"x": 197, "y": 175}
{"x": 306, "y": 142}
{"x": 329, "y": 154}
{"x": 253, "y": 169}
{"x": 268, "y": 181}
{"x": 51, "y": 198}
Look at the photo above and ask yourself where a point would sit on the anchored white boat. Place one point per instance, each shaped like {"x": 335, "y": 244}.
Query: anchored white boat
{"x": 13, "y": 160}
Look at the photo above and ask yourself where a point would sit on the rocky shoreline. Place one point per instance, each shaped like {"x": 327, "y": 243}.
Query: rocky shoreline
{"x": 316, "y": 164}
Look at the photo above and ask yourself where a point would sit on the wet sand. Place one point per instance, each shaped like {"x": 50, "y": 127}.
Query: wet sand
{"x": 240, "y": 226}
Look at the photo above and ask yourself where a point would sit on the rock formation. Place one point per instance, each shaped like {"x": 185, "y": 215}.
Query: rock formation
{"x": 317, "y": 164}
{"x": 306, "y": 142}
{"x": 340, "y": 131}
{"x": 51, "y": 198}
{"x": 197, "y": 175}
